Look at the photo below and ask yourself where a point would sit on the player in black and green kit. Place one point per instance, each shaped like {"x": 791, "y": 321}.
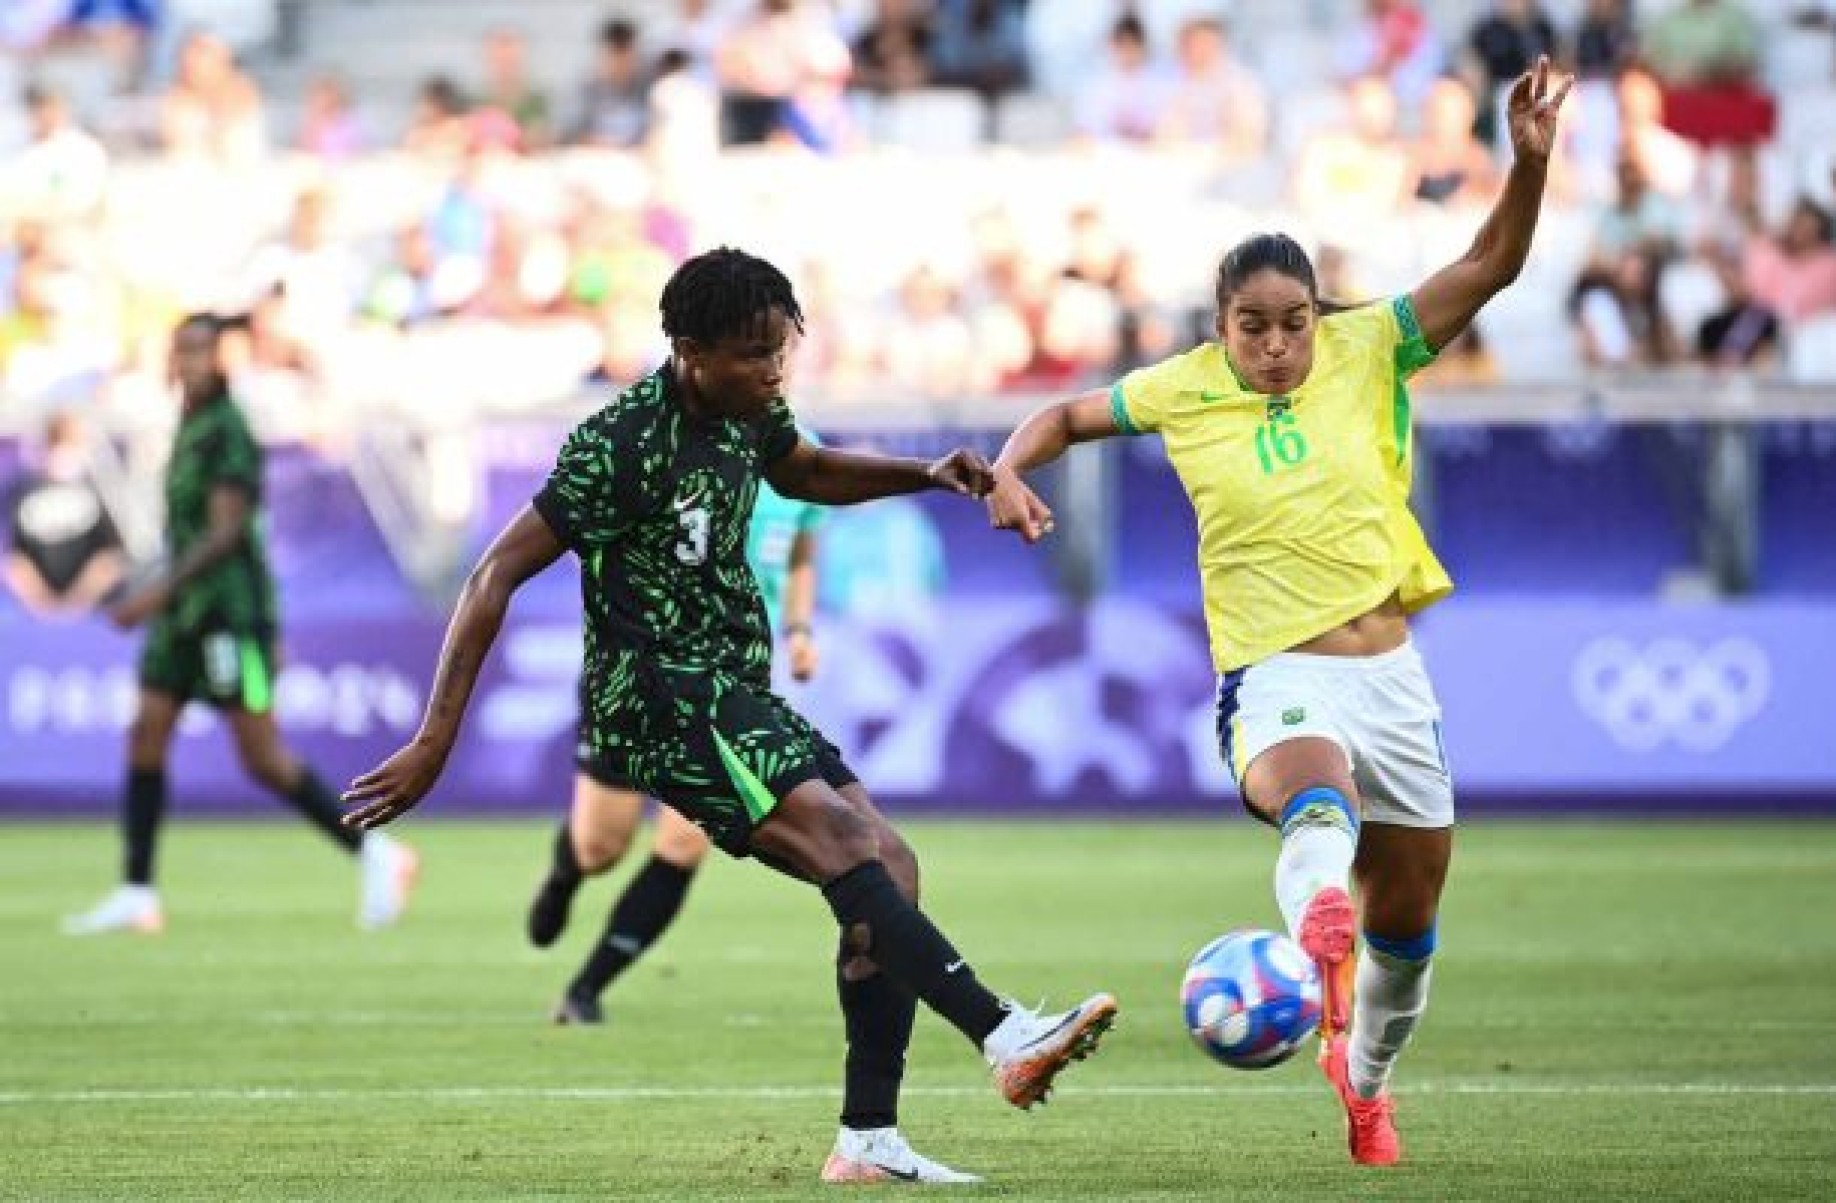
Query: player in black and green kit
{"x": 654, "y": 493}
{"x": 211, "y": 639}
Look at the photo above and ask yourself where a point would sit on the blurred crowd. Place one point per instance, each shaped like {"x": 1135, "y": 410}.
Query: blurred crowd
{"x": 975, "y": 197}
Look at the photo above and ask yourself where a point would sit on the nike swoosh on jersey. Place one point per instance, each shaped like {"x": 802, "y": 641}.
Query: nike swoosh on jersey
{"x": 1209, "y": 396}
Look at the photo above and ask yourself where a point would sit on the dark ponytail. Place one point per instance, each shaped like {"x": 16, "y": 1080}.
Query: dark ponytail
{"x": 1271, "y": 252}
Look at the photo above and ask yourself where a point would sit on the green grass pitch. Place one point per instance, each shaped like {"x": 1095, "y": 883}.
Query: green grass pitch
{"x": 1620, "y": 1011}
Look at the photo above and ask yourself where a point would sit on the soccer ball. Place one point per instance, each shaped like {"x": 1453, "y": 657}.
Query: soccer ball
{"x": 1250, "y": 998}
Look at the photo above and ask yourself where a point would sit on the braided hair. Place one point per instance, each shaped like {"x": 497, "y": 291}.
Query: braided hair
{"x": 723, "y": 293}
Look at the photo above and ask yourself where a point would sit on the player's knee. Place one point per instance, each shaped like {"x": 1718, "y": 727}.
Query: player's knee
{"x": 1317, "y": 806}
{"x": 147, "y": 742}
{"x": 270, "y": 768}
{"x": 900, "y": 861}
{"x": 599, "y": 851}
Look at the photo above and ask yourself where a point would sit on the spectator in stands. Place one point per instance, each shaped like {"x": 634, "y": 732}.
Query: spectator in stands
{"x": 980, "y": 44}
{"x": 1096, "y": 249}
{"x": 274, "y": 374}
{"x": 1743, "y": 333}
{"x": 1146, "y": 330}
{"x": 682, "y": 117}
{"x": 61, "y": 335}
{"x": 1614, "y": 302}
{"x": 928, "y": 346}
{"x": 408, "y": 290}
{"x": 1126, "y": 100}
{"x": 1503, "y": 44}
{"x": 892, "y": 54}
{"x": 1606, "y": 41}
{"x": 1215, "y": 100}
{"x": 1614, "y": 306}
{"x": 1394, "y": 40}
{"x": 329, "y": 128}
{"x": 1671, "y": 164}
{"x": 508, "y": 90}
{"x": 766, "y": 59}
{"x": 64, "y": 555}
{"x": 839, "y": 354}
{"x": 1359, "y": 173}
{"x": 440, "y": 128}
{"x": 617, "y": 265}
{"x": 1794, "y": 273}
{"x": 309, "y": 280}
{"x": 62, "y": 172}
{"x": 696, "y": 29}
{"x": 1640, "y": 218}
{"x": 1707, "y": 54}
{"x": 615, "y": 101}
{"x": 212, "y": 112}
{"x": 1450, "y": 165}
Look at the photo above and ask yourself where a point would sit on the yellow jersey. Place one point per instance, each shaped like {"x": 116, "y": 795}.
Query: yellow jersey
{"x": 1302, "y": 501}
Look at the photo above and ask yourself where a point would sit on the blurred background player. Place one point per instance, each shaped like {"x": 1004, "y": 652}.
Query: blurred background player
{"x": 781, "y": 548}
{"x": 1291, "y": 434}
{"x": 212, "y": 639}
{"x": 653, "y": 493}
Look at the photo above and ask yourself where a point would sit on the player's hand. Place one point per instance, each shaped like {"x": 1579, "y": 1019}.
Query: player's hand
{"x": 1536, "y": 98}
{"x": 394, "y": 787}
{"x": 801, "y": 646}
{"x": 1012, "y": 505}
{"x": 964, "y": 472}
{"x": 136, "y": 608}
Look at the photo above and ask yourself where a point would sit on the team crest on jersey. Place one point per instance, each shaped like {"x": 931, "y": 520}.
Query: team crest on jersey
{"x": 1294, "y": 716}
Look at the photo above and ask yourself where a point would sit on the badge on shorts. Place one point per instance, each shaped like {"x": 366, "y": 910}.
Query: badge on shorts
{"x": 1294, "y": 717}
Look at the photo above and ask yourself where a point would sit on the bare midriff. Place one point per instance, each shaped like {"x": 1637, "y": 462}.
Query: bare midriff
{"x": 1383, "y": 629}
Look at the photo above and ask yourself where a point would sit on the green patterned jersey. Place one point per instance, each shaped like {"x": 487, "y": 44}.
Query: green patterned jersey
{"x": 657, "y": 504}
{"x": 214, "y": 449}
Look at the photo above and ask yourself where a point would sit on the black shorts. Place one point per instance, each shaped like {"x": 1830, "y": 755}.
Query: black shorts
{"x": 221, "y": 667}
{"x": 721, "y": 751}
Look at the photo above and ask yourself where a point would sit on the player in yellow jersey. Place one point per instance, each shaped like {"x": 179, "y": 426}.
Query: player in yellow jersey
{"x": 1291, "y": 434}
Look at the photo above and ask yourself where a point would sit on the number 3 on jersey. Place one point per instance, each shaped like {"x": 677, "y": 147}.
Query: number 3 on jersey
{"x": 693, "y": 549}
{"x": 1279, "y": 442}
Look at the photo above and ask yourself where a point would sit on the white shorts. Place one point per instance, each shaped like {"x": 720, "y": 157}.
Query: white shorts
{"x": 1380, "y": 709}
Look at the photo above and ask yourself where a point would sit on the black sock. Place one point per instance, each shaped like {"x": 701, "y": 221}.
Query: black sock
{"x": 317, "y": 803}
{"x": 909, "y": 948}
{"x": 566, "y": 868}
{"x": 143, "y": 806}
{"x": 878, "y": 1013}
{"x": 638, "y": 918}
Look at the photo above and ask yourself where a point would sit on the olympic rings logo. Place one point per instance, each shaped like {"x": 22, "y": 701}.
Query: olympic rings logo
{"x": 1672, "y": 690}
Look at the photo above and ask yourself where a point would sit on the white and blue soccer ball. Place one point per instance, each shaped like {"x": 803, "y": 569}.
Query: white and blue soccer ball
{"x": 1250, "y": 999}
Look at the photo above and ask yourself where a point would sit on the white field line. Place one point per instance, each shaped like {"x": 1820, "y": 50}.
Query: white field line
{"x": 616, "y": 1094}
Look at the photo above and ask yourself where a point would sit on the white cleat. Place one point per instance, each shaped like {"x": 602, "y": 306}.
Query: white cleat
{"x": 881, "y": 1155}
{"x": 389, "y": 869}
{"x": 1028, "y": 1050}
{"x": 127, "y": 908}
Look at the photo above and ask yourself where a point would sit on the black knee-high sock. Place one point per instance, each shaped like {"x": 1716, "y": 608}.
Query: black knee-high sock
{"x": 320, "y": 806}
{"x": 878, "y": 1013}
{"x": 143, "y": 805}
{"x": 638, "y": 918}
{"x": 909, "y": 948}
{"x": 566, "y": 868}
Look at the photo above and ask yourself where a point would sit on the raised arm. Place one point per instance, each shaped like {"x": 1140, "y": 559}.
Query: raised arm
{"x": 1039, "y": 440}
{"x": 525, "y": 547}
{"x": 830, "y": 477}
{"x": 1447, "y": 300}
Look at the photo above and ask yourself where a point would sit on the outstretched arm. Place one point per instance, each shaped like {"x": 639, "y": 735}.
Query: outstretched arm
{"x": 1447, "y": 300}
{"x": 830, "y": 477}
{"x": 1039, "y": 440}
{"x": 524, "y": 548}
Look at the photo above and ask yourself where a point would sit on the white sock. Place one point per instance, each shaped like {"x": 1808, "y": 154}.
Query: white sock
{"x": 1392, "y": 994}
{"x": 1313, "y": 856}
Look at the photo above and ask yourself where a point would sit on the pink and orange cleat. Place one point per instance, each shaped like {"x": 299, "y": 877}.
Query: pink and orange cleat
{"x": 1370, "y": 1124}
